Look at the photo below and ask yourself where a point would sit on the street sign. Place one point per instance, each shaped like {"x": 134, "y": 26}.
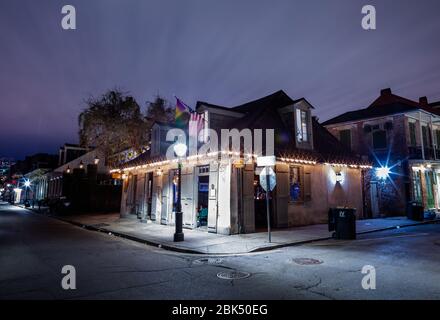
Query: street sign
{"x": 272, "y": 179}
{"x": 267, "y": 161}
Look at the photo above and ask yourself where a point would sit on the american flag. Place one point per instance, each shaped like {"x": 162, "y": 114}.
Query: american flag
{"x": 196, "y": 124}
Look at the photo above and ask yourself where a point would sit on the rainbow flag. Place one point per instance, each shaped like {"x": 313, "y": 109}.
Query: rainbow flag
{"x": 182, "y": 113}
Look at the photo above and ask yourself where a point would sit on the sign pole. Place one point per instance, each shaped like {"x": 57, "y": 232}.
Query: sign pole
{"x": 268, "y": 204}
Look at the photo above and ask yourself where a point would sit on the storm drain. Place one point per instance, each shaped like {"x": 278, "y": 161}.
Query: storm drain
{"x": 100, "y": 225}
{"x": 210, "y": 261}
{"x": 307, "y": 261}
{"x": 233, "y": 275}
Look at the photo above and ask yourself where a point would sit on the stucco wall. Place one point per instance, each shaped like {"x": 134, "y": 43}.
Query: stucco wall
{"x": 326, "y": 193}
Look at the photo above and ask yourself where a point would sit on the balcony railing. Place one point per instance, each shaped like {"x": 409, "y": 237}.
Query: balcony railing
{"x": 431, "y": 153}
{"x": 415, "y": 153}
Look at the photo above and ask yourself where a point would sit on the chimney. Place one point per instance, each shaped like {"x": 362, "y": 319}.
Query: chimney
{"x": 423, "y": 100}
{"x": 385, "y": 92}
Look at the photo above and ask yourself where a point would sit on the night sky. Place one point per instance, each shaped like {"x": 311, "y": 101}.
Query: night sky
{"x": 223, "y": 52}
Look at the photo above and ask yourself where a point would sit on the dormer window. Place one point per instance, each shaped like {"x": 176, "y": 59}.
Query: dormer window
{"x": 302, "y": 125}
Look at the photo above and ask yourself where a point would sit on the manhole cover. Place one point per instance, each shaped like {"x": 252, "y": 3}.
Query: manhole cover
{"x": 233, "y": 275}
{"x": 213, "y": 261}
{"x": 307, "y": 261}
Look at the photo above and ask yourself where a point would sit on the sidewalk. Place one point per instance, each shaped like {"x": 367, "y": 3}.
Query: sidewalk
{"x": 202, "y": 242}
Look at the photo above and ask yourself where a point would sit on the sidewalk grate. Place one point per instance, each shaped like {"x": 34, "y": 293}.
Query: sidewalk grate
{"x": 307, "y": 261}
{"x": 233, "y": 275}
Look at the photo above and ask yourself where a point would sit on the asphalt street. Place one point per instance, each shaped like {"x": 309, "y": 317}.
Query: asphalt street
{"x": 34, "y": 249}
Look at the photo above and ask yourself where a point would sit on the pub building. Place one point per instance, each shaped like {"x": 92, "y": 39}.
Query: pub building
{"x": 221, "y": 192}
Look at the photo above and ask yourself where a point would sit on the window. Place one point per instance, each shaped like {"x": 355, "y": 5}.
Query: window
{"x": 379, "y": 139}
{"x": 412, "y": 134}
{"x": 345, "y": 137}
{"x": 299, "y": 184}
{"x": 426, "y": 136}
{"x": 302, "y": 126}
{"x": 437, "y": 137}
{"x": 417, "y": 190}
{"x": 204, "y": 169}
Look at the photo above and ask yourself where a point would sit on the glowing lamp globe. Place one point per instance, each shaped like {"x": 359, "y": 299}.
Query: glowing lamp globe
{"x": 382, "y": 172}
{"x": 180, "y": 149}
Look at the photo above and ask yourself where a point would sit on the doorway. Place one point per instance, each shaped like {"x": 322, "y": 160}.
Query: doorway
{"x": 133, "y": 209}
{"x": 260, "y": 206}
{"x": 202, "y": 197}
{"x": 374, "y": 199}
{"x": 149, "y": 194}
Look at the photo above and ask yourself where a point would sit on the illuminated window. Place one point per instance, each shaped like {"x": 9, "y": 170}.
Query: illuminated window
{"x": 299, "y": 184}
{"x": 417, "y": 189}
{"x": 302, "y": 126}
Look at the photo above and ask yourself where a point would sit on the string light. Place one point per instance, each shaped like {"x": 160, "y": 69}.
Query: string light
{"x": 248, "y": 156}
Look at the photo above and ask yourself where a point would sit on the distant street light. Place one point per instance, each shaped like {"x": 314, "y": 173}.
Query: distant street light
{"x": 27, "y": 184}
{"x": 180, "y": 150}
{"x": 383, "y": 172}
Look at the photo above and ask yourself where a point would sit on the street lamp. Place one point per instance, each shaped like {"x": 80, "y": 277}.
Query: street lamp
{"x": 180, "y": 150}
{"x": 27, "y": 184}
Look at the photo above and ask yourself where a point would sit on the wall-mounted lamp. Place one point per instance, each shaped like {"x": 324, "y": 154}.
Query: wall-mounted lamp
{"x": 68, "y": 169}
{"x": 382, "y": 172}
{"x": 159, "y": 172}
{"x": 96, "y": 161}
{"x": 81, "y": 165}
{"x": 339, "y": 177}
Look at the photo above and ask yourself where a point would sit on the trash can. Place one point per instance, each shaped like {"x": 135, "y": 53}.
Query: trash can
{"x": 415, "y": 211}
{"x": 343, "y": 222}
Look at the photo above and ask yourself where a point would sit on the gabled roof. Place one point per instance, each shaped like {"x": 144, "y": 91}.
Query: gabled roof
{"x": 262, "y": 114}
{"x": 386, "y": 104}
{"x": 275, "y": 100}
{"x": 435, "y": 105}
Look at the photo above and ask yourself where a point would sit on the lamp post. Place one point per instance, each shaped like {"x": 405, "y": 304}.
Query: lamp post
{"x": 180, "y": 150}
{"x": 27, "y": 184}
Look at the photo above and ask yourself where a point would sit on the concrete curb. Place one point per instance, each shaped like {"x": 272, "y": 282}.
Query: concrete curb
{"x": 191, "y": 251}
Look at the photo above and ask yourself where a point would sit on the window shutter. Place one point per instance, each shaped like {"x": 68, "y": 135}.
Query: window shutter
{"x": 307, "y": 187}
{"x": 412, "y": 134}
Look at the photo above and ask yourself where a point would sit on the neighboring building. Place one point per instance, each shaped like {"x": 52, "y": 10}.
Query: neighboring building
{"x": 159, "y": 144}
{"x": 5, "y": 169}
{"x": 33, "y": 162}
{"x": 70, "y": 152}
{"x": 435, "y": 105}
{"x": 399, "y": 135}
{"x": 314, "y": 172}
